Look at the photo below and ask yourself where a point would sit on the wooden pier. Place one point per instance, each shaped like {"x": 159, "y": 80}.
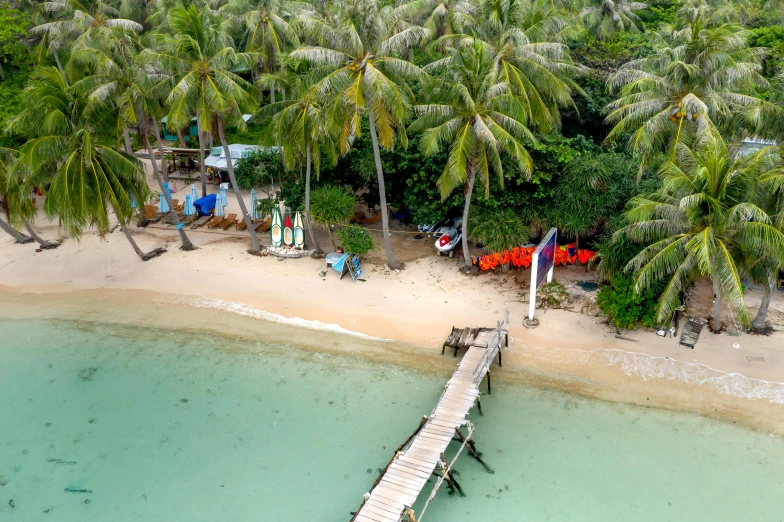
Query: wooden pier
{"x": 392, "y": 497}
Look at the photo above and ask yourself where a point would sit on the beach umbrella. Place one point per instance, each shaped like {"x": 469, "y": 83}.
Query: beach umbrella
{"x": 166, "y": 186}
{"x": 224, "y": 201}
{"x": 133, "y": 202}
{"x": 219, "y": 208}
{"x": 163, "y": 207}
{"x": 194, "y": 194}
{"x": 188, "y": 209}
{"x": 254, "y": 205}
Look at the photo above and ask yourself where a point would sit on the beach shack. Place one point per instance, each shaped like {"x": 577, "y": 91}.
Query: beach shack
{"x": 193, "y": 130}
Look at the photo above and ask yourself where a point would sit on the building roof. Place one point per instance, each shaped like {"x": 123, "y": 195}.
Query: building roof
{"x": 217, "y": 157}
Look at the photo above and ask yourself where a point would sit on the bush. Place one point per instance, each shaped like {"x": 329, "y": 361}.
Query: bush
{"x": 624, "y": 307}
{"x": 292, "y": 193}
{"x": 499, "y": 229}
{"x": 331, "y": 205}
{"x": 257, "y": 168}
{"x": 356, "y": 240}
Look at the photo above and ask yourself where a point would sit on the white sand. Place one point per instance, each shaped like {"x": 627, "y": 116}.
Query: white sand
{"x": 419, "y": 306}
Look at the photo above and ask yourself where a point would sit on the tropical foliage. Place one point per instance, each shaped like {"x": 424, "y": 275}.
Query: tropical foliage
{"x": 562, "y": 113}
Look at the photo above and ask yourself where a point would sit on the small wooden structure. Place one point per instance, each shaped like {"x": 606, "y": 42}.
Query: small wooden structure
{"x": 691, "y": 333}
{"x": 463, "y": 338}
{"x": 392, "y": 497}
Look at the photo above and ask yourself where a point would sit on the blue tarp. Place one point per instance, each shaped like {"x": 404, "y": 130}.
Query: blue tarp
{"x": 205, "y": 204}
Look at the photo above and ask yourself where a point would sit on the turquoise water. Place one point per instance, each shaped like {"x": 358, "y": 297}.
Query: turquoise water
{"x": 162, "y": 425}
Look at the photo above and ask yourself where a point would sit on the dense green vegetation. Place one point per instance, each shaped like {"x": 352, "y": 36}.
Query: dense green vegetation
{"x": 617, "y": 122}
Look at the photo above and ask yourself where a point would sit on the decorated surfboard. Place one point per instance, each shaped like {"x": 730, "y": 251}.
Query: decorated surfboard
{"x": 276, "y": 230}
{"x": 288, "y": 231}
{"x": 299, "y": 232}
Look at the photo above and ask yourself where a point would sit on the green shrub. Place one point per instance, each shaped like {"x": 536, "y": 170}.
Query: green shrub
{"x": 331, "y": 205}
{"x": 356, "y": 240}
{"x": 625, "y": 308}
{"x": 258, "y": 167}
{"x": 498, "y": 228}
{"x": 292, "y": 193}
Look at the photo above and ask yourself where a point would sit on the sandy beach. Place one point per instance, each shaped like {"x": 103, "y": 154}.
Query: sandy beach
{"x": 416, "y": 308}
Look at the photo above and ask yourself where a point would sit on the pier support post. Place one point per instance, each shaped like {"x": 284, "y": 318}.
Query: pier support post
{"x": 500, "y": 362}
{"x": 479, "y": 405}
{"x": 471, "y": 447}
{"x": 489, "y": 390}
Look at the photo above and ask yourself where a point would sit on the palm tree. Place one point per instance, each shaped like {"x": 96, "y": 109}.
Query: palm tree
{"x": 609, "y": 17}
{"x": 78, "y": 22}
{"x": 297, "y": 127}
{"x": 765, "y": 269}
{"x": 694, "y": 74}
{"x": 267, "y": 31}
{"x": 86, "y": 179}
{"x": 477, "y": 116}
{"x": 363, "y": 77}
{"x": 119, "y": 80}
{"x": 530, "y": 55}
{"x": 440, "y": 17}
{"x": 699, "y": 223}
{"x": 7, "y": 156}
{"x": 202, "y": 58}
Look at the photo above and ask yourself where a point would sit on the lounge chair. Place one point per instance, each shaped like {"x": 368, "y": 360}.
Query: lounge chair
{"x": 201, "y": 221}
{"x": 187, "y": 220}
{"x": 366, "y": 221}
{"x": 169, "y": 219}
{"x": 242, "y": 224}
{"x": 215, "y": 222}
{"x": 230, "y": 220}
{"x": 264, "y": 225}
{"x": 155, "y": 217}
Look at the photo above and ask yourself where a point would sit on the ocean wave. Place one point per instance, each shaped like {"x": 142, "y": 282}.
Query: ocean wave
{"x": 249, "y": 311}
{"x": 646, "y": 366}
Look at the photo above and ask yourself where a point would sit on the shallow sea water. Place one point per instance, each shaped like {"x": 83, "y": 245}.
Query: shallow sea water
{"x": 103, "y": 422}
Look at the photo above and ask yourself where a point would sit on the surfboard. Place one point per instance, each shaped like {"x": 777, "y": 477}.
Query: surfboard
{"x": 276, "y": 230}
{"x": 299, "y": 232}
{"x": 288, "y": 232}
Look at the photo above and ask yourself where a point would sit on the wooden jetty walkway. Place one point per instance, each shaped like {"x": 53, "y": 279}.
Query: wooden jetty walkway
{"x": 392, "y": 497}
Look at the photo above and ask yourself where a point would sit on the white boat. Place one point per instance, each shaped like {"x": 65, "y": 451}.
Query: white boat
{"x": 299, "y": 232}
{"x": 276, "y": 230}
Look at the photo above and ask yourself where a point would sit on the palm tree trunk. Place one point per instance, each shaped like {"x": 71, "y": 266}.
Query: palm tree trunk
{"x": 202, "y": 167}
{"x": 60, "y": 66}
{"x": 382, "y": 193}
{"x": 251, "y": 229}
{"x": 180, "y": 139}
{"x": 762, "y": 314}
{"x": 186, "y": 242}
{"x": 142, "y": 255}
{"x": 716, "y": 321}
{"x": 46, "y": 245}
{"x": 464, "y": 226}
{"x": 127, "y": 139}
{"x": 157, "y": 131}
{"x": 316, "y": 247}
{"x": 18, "y": 236}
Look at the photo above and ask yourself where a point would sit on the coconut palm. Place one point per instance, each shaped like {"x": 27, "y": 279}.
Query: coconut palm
{"x": 77, "y": 22}
{"x": 699, "y": 224}
{"x": 297, "y": 127}
{"x": 440, "y": 17}
{"x": 694, "y": 74}
{"x": 476, "y": 115}
{"x": 86, "y": 179}
{"x": 6, "y": 157}
{"x": 267, "y": 31}
{"x": 362, "y": 76}
{"x": 765, "y": 269}
{"x": 527, "y": 41}
{"x": 201, "y": 58}
{"x": 118, "y": 80}
{"x": 606, "y": 18}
